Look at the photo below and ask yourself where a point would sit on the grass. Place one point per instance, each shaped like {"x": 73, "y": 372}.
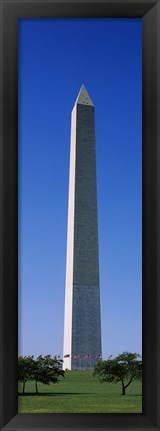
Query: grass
{"x": 80, "y": 392}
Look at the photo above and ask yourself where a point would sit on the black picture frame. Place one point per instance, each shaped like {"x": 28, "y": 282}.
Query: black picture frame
{"x": 11, "y": 10}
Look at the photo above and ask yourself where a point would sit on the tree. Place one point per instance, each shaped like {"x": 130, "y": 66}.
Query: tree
{"x": 124, "y": 368}
{"x": 25, "y": 369}
{"x": 47, "y": 370}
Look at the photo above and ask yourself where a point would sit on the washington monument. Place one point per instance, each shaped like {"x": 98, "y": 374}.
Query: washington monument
{"x": 82, "y": 325}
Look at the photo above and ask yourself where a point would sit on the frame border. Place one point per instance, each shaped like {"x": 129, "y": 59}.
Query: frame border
{"x": 10, "y": 11}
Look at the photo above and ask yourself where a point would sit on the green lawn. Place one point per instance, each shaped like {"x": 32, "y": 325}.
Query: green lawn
{"x": 80, "y": 392}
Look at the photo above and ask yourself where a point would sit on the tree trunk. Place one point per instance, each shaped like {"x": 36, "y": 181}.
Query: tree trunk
{"x": 123, "y": 389}
{"x": 36, "y": 387}
{"x": 24, "y": 387}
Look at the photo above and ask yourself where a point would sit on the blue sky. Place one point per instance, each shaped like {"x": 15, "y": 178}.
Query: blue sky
{"x": 55, "y": 57}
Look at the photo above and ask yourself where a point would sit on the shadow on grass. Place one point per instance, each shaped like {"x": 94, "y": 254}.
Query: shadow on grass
{"x": 59, "y": 394}
{"x": 134, "y": 395}
{"x": 50, "y": 394}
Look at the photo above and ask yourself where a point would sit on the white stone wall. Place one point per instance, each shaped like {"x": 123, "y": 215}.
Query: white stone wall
{"x": 70, "y": 245}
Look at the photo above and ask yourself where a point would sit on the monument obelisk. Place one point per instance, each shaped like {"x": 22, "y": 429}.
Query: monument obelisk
{"x": 82, "y": 325}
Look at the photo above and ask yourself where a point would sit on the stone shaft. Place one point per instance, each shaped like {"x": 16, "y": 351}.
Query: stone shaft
{"x": 82, "y": 327}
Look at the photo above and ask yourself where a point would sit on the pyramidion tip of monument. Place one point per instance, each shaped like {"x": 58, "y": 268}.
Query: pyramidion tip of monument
{"x": 83, "y": 97}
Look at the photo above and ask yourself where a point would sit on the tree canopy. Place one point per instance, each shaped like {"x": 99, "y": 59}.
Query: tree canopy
{"x": 123, "y": 368}
{"x": 45, "y": 370}
{"x": 25, "y": 369}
